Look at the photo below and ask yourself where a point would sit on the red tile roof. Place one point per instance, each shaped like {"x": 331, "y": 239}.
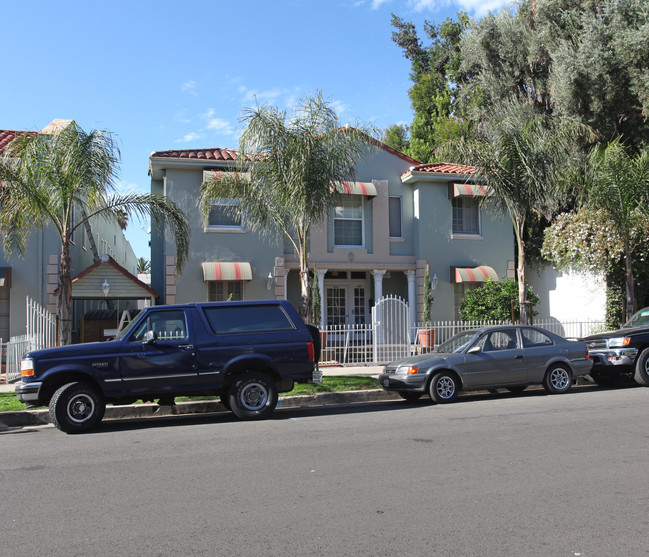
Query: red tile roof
{"x": 215, "y": 154}
{"x": 6, "y": 137}
{"x": 218, "y": 154}
{"x": 445, "y": 168}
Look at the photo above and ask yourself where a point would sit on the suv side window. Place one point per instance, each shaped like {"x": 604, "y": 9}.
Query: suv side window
{"x": 237, "y": 319}
{"x": 168, "y": 325}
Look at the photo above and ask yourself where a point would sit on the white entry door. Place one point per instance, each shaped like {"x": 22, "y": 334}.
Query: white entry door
{"x": 347, "y": 304}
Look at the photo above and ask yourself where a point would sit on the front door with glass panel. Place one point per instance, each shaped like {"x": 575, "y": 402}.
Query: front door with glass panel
{"x": 347, "y": 303}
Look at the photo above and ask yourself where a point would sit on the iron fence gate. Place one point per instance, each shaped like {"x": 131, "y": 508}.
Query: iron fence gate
{"x": 391, "y": 329}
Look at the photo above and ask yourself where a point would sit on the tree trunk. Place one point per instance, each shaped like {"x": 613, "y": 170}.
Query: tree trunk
{"x": 524, "y": 318}
{"x": 65, "y": 295}
{"x": 629, "y": 280}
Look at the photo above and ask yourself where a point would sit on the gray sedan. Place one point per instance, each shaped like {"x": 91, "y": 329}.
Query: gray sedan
{"x": 510, "y": 357}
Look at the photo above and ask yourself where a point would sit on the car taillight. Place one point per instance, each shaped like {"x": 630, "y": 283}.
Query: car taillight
{"x": 587, "y": 354}
{"x": 311, "y": 352}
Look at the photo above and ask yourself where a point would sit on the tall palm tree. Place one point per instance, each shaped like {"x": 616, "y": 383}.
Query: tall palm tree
{"x": 287, "y": 167}
{"x": 525, "y": 160}
{"x": 619, "y": 188}
{"x": 45, "y": 177}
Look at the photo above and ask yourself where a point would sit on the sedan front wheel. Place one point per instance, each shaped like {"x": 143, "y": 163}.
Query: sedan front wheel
{"x": 443, "y": 387}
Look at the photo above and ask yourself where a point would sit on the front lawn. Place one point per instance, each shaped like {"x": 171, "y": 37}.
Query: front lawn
{"x": 10, "y": 403}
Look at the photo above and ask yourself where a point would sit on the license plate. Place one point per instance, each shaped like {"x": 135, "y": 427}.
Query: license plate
{"x": 386, "y": 382}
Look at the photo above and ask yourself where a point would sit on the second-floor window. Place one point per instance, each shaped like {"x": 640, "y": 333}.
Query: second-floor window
{"x": 466, "y": 215}
{"x": 395, "y": 217}
{"x": 225, "y": 214}
{"x": 348, "y": 221}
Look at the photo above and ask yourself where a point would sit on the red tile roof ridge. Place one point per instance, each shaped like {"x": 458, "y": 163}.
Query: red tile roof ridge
{"x": 445, "y": 168}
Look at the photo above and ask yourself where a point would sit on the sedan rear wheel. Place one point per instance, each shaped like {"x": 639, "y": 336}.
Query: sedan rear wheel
{"x": 443, "y": 387}
{"x": 558, "y": 379}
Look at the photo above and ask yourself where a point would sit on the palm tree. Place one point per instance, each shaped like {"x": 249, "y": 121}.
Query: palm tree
{"x": 286, "y": 170}
{"x": 45, "y": 177}
{"x": 525, "y": 160}
{"x": 143, "y": 265}
{"x": 619, "y": 188}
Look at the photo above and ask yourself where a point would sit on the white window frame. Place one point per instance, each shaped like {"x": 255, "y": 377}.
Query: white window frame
{"x": 362, "y": 220}
{"x": 226, "y": 227}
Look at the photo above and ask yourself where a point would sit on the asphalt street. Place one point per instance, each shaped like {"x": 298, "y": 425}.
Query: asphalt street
{"x": 504, "y": 474}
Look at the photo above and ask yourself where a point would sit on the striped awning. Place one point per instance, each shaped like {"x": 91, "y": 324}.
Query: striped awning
{"x": 473, "y": 274}
{"x": 470, "y": 190}
{"x": 356, "y": 188}
{"x": 226, "y": 271}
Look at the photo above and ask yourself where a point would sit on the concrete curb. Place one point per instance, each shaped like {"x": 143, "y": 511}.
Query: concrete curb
{"x": 42, "y": 417}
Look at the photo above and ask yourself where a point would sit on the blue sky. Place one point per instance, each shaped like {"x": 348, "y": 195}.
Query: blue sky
{"x": 176, "y": 75}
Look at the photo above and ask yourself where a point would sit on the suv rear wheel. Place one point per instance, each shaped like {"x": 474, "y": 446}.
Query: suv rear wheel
{"x": 642, "y": 368}
{"x": 253, "y": 396}
{"x": 77, "y": 407}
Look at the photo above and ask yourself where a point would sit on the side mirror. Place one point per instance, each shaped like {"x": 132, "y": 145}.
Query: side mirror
{"x": 150, "y": 337}
{"x": 474, "y": 350}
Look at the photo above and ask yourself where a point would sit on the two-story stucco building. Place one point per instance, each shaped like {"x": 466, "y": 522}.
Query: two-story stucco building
{"x": 397, "y": 218}
{"x": 36, "y": 274}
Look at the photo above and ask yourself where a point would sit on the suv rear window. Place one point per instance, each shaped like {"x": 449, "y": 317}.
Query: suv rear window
{"x": 237, "y": 319}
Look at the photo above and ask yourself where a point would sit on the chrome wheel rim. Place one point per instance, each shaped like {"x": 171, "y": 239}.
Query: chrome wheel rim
{"x": 560, "y": 379}
{"x": 80, "y": 408}
{"x": 445, "y": 387}
{"x": 254, "y": 396}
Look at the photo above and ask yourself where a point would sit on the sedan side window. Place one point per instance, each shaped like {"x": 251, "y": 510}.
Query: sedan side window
{"x": 500, "y": 340}
{"x": 532, "y": 337}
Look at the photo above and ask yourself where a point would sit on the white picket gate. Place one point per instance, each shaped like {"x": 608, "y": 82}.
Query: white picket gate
{"x": 391, "y": 329}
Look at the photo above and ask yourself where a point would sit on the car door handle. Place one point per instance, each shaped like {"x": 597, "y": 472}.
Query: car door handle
{"x": 187, "y": 346}
{"x": 519, "y": 357}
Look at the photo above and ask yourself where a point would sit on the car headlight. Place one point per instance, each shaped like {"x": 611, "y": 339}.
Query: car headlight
{"x": 408, "y": 370}
{"x": 619, "y": 342}
{"x": 26, "y": 367}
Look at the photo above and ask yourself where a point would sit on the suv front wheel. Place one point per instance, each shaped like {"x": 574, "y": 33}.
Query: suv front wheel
{"x": 253, "y": 396}
{"x": 76, "y": 407}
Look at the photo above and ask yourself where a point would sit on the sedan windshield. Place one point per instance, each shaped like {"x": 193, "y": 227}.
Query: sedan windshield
{"x": 457, "y": 343}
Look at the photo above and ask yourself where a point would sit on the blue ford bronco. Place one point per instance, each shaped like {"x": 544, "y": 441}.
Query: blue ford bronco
{"x": 246, "y": 352}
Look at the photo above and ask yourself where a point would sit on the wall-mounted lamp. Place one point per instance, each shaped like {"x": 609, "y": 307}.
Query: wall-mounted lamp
{"x": 269, "y": 281}
{"x": 105, "y": 287}
{"x": 433, "y": 281}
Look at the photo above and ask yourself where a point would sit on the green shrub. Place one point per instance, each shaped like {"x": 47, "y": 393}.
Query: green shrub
{"x": 493, "y": 301}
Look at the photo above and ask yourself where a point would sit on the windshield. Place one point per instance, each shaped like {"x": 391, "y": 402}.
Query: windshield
{"x": 126, "y": 330}
{"x": 638, "y": 319}
{"x": 457, "y": 343}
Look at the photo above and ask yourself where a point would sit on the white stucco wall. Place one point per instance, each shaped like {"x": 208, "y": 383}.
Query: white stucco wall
{"x": 568, "y": 295}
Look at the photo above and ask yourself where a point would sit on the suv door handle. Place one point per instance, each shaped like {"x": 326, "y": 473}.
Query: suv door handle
{"x": 187, "y": 346}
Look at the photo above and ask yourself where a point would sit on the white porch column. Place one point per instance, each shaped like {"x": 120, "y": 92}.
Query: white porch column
{"x": 378, "y": 284}
{"x": 412, "y": 297}
{"x": 323, "y": 302}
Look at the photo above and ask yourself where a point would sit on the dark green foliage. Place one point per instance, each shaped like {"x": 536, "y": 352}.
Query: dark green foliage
{"x": 315, "y": 302}
{"x": 396, "y": 136}
{"x": 614, "y": 303}
{"x": 434, "y": 74}
{"x": 426, "y": 315}
{"x": 493, "y": 301}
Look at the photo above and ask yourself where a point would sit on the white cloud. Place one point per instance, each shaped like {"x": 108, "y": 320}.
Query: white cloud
{"x": 191, "y": 136}
{"x": 376, "y": 4}
{"x": 189, "y": 87}
{"x": 476, "y": 8}
{"x": 181, "y": 116}
{"x": 125, "y": 188}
